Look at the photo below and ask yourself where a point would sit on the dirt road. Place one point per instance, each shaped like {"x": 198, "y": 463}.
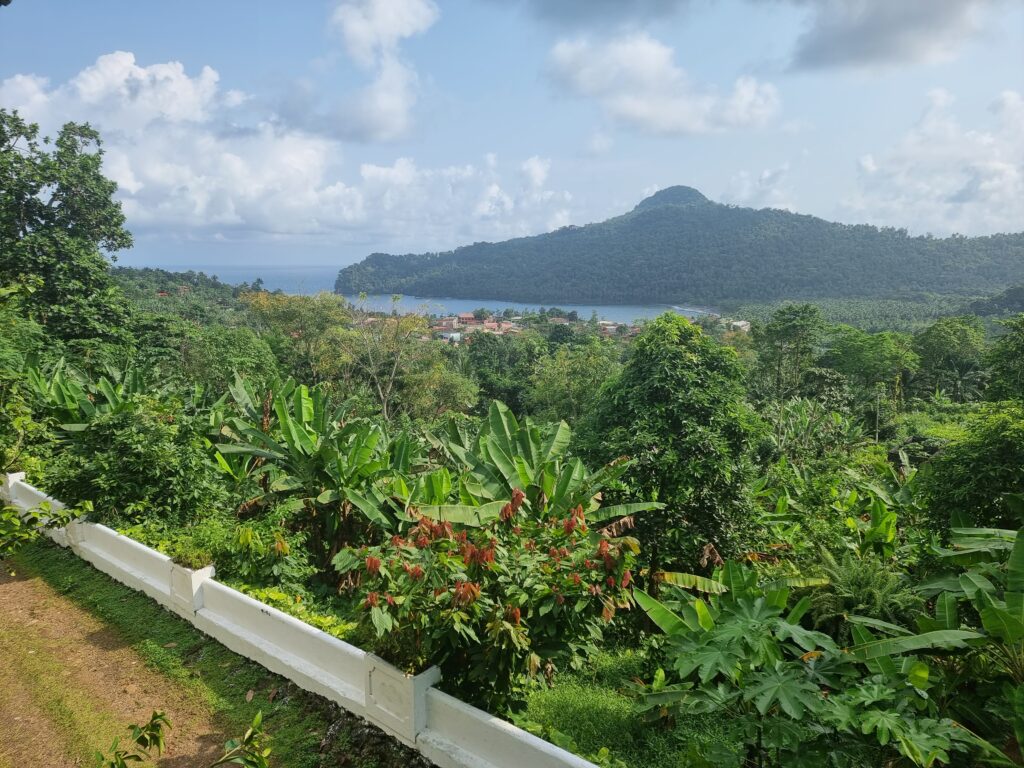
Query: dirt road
{"x": 69, "y": 685}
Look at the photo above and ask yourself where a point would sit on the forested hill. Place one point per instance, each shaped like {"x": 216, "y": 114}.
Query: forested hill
{"x": 677, "y": 246}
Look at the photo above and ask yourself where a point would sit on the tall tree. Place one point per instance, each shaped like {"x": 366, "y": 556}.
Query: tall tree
{"x": 952, "y": 350}
{"x": 678, "y": 410}
{"x": 383, "y": 351}
{"x": 878, "y": 365}
{"x": 787, "y": 346}
{"x": 58, "y": 223}
{"x": 565, "y": 383}
{"x": 298, "y": 329}
{"x": 1006, "y": 362}
{"x": 503, "y": 365}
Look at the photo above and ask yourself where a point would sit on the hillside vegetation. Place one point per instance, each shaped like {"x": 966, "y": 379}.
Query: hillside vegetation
{"x": 678, "y": 246}
{"x": 674, "y": 545}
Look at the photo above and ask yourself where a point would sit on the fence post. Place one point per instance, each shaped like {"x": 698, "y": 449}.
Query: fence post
{"x": 186, "y": 588}
{"x": 396, "y": 701}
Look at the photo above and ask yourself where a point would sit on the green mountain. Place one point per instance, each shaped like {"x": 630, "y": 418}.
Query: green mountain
{"x": 679, "y": 247}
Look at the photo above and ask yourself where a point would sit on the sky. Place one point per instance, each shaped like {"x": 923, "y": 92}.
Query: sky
{"x": 312, "y": 133}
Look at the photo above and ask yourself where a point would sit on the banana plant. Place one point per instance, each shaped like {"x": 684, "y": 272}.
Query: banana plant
{"x": 991, "y": 581}
{"x": 507, "y": 455}
{"x": 327, "y": 472}
{"x": 74, "y": 400}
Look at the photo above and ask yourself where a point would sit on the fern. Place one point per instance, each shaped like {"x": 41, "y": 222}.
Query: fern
{"x": 862, "y": 586}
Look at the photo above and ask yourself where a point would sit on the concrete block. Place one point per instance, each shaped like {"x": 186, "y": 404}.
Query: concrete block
{"x": 460, "y": 736}
{"x": 396, "y": 701}
{"x": 186, "y": 589}
{"x": 7, "y": 488}
{"x": 308, "y": 657}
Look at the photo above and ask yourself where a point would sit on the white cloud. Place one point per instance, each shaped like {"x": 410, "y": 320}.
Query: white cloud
{"x": 372, "y": 31}
{"x": 535, "y": 170}
{"x": 134, "y": 96}
{"x": 177, "y": 163}
{"x": 637, "y": 82}
{"x": 559, "y": 219}
{"x": 767, "y": 189}
{"x": 122, "y": 93}
{"x": 946, "y": 177}
{"x": 190, "y": 165}
{"x": 493, "y": 203}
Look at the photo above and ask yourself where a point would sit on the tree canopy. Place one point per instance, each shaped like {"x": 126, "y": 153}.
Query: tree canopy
{"x": 58, "y": 219}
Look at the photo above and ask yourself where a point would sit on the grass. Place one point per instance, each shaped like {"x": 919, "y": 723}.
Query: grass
{"x": 218, "y": 677}
{"x": 596, "y": 708}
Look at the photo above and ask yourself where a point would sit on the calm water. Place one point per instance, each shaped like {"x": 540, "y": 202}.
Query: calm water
{"x": 308, "y": 280}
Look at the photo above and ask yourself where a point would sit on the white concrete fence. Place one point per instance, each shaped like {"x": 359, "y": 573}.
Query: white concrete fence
{"x": 447, "y": 731}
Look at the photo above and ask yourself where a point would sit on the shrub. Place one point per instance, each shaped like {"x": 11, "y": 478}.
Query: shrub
{"x": 495, "y": 605}
{"x": 792, "y": 696}
{"x": 968, "y": 479}
{"x": 213, "y": 356}
{"x": 144, "y": 460}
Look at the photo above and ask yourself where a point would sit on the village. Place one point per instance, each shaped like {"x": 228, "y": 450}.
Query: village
{"x": 457, "y": 328}
{"x": 453, "y": 328}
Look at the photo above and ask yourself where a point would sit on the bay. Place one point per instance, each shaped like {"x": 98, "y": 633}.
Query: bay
{"x": 308, "y": 280}
{"x": 619, "y": 313}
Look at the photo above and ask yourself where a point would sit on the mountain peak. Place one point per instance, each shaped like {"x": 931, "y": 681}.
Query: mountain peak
{"x": 678, "y": 195}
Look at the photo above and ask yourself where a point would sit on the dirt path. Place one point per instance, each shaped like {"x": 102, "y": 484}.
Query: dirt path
{"x": 69, "y": 685}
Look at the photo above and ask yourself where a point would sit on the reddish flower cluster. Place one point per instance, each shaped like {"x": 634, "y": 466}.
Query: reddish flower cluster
{"x": 426, "y": 531}
{"x": 513, "y": 615}
{"x": 557, "y": 554}
{"x": 474, "y": 555}
{"x": 465, "y": 593}
{"x": 372, "y": 600}
{"x": 509, "y": 510}
{"x": 373, "y": 565}
{"x": 414, "y": 572}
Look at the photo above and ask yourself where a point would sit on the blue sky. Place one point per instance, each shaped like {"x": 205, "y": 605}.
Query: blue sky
{"x": 316, "y": 132}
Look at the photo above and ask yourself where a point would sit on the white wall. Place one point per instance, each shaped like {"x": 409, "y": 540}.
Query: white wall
{"x": 444, "y": 729}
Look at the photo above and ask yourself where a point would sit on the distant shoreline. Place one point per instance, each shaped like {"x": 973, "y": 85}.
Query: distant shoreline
{"x": 621, "y": 313}
{"x": 308, "y": 280}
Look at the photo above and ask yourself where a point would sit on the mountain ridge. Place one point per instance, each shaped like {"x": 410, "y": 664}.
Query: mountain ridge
{"x": 677, "y": 246}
